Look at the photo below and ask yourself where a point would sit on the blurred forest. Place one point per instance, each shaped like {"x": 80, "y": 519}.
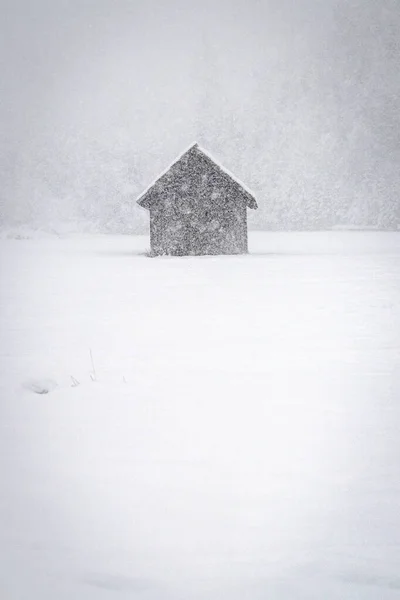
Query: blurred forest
{"x": 301, "y": 100}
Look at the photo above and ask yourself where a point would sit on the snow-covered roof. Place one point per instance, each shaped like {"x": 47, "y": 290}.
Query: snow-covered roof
{"x": 226, "y": 171}
{"x": 195, "y": 147}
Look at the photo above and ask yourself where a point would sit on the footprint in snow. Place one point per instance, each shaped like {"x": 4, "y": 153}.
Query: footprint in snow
{"x": 40, "y": 386}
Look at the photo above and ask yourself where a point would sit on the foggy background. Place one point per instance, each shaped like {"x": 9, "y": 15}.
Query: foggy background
{"x": 300, "y": 98}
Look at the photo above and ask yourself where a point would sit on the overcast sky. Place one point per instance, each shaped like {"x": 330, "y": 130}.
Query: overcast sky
{"x": 258, "y": 82}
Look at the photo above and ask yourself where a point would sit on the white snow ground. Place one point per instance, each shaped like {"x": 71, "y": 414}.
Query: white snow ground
{"x": 241, "y": 439}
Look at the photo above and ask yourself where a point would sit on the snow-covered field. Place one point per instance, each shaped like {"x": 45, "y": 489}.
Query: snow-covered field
{"x": 238, "y": 439}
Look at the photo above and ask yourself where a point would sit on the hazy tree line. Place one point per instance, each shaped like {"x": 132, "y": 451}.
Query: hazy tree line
{"x": 314, "y": 132}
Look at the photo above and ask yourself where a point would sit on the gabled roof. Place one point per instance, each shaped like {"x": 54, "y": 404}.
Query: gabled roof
{"x": 195, "y": 149}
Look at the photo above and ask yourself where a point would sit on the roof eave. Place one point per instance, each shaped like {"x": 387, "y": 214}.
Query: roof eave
{"x": 143, "y": 201}
{"x": 252, "y": 203}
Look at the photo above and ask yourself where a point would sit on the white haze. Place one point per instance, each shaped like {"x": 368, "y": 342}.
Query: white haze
{"x": 300, "y": 99}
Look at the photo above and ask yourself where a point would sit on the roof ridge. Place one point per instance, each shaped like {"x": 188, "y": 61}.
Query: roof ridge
{"x": 216, "y": 163}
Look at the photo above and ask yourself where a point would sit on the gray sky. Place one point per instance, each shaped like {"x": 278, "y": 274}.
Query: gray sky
{"x": 296, "y": 96}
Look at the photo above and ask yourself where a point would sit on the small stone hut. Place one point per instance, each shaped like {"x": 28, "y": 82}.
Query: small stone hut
{"x": 197, "y": 207}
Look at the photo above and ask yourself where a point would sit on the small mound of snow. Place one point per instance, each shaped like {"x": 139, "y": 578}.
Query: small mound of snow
{"x": 40, "y": 386}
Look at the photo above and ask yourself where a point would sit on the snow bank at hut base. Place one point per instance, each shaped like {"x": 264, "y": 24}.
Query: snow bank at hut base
{"x": 200, "y": 428}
